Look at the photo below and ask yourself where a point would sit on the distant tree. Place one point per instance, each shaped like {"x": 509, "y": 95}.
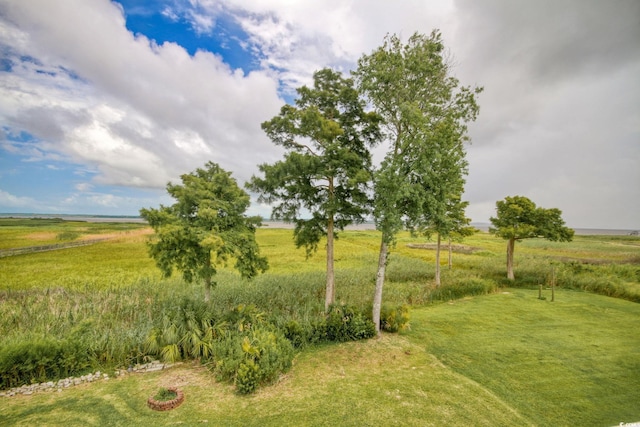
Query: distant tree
{"x": 423, "y": 108}
{"x": 519, "y": 218}
{"x": 453, "y": 226}
{"x": 441, "y": 176}
{"x": 326, "y": 170}
{"x": 205, "y": 228}
{"x": 460, "y": 226}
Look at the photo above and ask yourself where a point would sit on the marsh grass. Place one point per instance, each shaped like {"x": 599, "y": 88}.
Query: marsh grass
{"x": 22, "y": 232}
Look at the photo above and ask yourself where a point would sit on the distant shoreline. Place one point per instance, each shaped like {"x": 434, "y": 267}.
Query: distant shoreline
{"x": 280, "y": 224}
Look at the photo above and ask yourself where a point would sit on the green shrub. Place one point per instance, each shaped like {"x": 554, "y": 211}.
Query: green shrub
{"x": 296, "y": 333}
{"x": 41, "y": 360}
{"x": 247, "y": 377}
{"x": 244, "y": 317}
{"x": 346, "y": 323}
{"x": 186, "y": 331}
{"x": 394, "y": 319}
{"x": 252, "y": 357}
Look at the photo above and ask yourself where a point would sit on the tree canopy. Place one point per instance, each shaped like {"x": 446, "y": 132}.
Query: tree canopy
{"x": 205, "y": 228}
{"x": 321, "y": 185}
{"x": 519, "y": 218}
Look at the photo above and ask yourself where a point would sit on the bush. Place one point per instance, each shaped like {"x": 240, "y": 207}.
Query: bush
{"x": 247, "y": 377}
{"x": 394, "y": 319}
{"x": 186, "y": 330}
{"x": 251, "y": 358}
{"x": 41, "y": 360}
{"x": 296, "y": 334}
{"x": 346, "y": 323}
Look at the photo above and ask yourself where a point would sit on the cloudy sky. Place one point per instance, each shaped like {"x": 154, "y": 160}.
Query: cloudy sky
{"x": 102, "y": 103}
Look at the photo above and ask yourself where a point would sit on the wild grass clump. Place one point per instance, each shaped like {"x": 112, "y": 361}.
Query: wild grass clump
{"x": 41, "y": 360}
{"x": 617, "y": 279}
{"x": 66, "y": 236}
{"x": 462, "y": 288}
{"x": 165, "y": 394}
{"x": 609, "y": 280}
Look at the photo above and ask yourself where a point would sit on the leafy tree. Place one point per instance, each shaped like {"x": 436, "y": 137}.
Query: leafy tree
{"x": 443, "y": 168}
{"x": 519, "y": 218}
{"x": 205, "y": 228}
{"x": 326, "y": 169}
{"x": 423, "y": 110}
{"x": 460, "y": 227}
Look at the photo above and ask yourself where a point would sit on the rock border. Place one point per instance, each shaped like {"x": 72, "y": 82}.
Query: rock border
{"x": 73, "y": 381}
{"x": 166, "y": 405}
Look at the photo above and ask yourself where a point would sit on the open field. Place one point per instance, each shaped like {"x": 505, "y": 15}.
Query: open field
{"x": 480, "y": 351}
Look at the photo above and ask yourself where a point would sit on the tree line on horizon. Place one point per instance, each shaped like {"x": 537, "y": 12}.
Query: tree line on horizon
{"x": 402, "y": 93}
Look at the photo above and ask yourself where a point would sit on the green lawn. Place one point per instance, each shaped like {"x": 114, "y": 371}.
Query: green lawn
{"x": 575, "y": 361}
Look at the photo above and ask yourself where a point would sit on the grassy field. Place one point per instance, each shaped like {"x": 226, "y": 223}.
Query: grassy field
{"x": 479, "y": 352}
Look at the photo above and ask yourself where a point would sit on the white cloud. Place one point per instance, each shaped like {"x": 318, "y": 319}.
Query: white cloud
{"x": 12, "y": 201}
{"x": 83, "y": 187}
{"x": 138, "y": 112}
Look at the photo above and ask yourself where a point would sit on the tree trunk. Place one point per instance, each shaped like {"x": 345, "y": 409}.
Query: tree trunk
{"x": 207, "y": 289}
{"x": 450, "y": 256}
{"x": 377, "y": 297}
{"x": 438, "y": 262}
{"x": 511, "y": 244}
{"x": 330, "y": 289}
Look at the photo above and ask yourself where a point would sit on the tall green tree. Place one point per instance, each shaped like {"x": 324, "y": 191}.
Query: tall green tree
{"x": 326, "y": 169}
{"x": 205, "y": 228}
{"x": 423, "y": 109}
{"x": 518, "y": 218}
{"x": 442, "y": 167}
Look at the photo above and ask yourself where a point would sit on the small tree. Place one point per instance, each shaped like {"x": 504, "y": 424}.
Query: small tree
{"x": 440, "y": 171}
{"x": 326, "y": 170}
{"x": 205, "y": 228}
{"x": 518, "y": 218}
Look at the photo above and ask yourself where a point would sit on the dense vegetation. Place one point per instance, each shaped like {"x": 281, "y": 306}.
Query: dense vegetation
{"x": 108, "y": 298}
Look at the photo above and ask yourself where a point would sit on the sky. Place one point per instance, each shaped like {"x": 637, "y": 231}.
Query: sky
{"x": 102, "y": 103}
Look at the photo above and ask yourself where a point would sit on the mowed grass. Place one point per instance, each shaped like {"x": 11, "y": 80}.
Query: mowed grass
{"x": 500, "y": 359}
{"x": 574, "y": 361}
